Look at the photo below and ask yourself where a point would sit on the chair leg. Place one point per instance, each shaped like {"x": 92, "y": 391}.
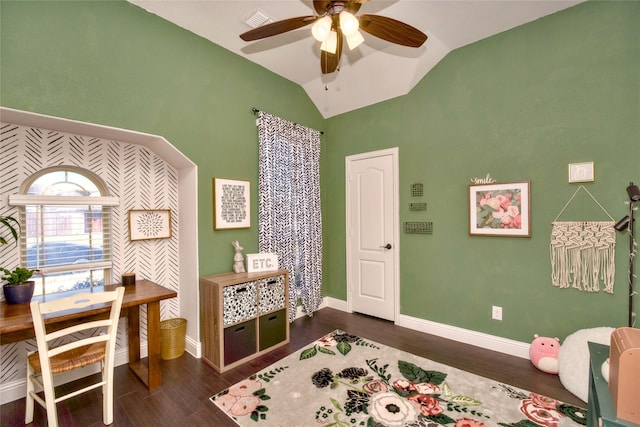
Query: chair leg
{"x": 107, "y": 394}
{"x": 52, "y": 412}
{"x": 28, "y": 413}
{"x": 50, "y": 400}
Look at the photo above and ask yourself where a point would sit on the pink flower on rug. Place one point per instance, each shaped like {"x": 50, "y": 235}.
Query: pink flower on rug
{"x": 245, "y": 388}
{"x": 389, "y": 409}
{"x": 327, "y": 341}
{"x": 544, "y": 401}
{"x": 244, "y": 406}
{"x": 541, "y": 415}
{"x": 427, "y": 388}
{"x": 404, "y": 386}
{"x": 375, "y": 386}
{"x": 468, "y": 422}
{"x": 226, "y": 401}
{"x": 427, "y": 405}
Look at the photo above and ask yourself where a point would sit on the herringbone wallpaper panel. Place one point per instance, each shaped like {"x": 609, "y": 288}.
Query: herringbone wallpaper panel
{"x": 134, "y": 174}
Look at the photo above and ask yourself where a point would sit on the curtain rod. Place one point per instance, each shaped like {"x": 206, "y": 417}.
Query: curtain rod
{"x": 255, "y": 111}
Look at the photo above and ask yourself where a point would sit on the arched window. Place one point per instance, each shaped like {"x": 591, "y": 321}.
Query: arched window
{"x": 66, "y": 218}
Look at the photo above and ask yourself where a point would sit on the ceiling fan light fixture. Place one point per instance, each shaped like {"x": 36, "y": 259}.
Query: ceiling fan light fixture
{"x": 331, "y": 43}
{"x": 321, "y": 28}
{"x": 354, "y": 40}
{"x": 348, "y": 23}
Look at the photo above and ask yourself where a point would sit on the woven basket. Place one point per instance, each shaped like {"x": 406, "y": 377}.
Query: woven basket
{"x": 172, "y": 336}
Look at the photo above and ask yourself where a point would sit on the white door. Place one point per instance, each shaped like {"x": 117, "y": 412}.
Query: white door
{"x": 372, "y": 233}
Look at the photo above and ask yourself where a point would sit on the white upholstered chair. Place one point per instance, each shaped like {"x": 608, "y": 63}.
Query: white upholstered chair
{"x": 79, "y": 348}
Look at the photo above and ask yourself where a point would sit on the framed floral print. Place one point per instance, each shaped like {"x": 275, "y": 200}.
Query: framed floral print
{"x": 500, "y": 209}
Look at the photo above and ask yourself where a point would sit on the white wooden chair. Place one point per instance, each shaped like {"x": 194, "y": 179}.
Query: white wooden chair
{"x": 52, "y": 359}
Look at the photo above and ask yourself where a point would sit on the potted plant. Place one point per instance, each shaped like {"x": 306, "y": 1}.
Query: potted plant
{"x": 18, "y": 289}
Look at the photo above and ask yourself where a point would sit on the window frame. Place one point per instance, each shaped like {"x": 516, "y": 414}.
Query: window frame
{"x": 40, "y": 202}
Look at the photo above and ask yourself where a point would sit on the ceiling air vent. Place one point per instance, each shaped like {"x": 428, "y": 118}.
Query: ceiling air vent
{"x": 257, "y": 18}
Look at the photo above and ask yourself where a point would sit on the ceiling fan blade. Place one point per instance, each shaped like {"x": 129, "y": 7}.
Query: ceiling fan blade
{"x": 392, "y": 30}
{"x": 329, "y": 61}
{"x": 277, "y": 27}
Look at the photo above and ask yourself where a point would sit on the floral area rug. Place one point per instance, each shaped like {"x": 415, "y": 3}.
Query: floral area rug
{"x": 344, "y": 380}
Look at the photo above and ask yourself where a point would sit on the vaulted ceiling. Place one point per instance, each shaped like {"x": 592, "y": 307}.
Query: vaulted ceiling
{"x": 376, "y": 70}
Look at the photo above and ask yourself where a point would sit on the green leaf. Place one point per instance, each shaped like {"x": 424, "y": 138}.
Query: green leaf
{"x": 418, "y": 375}
{"x": 484, "y": 213}
{"x": 15, "y": 230}
{"x": 326, "y": 351}
{"x": 446, "y": 390}
{"x": 523, "y": 423}
{"x": 465, "y": 401}
{"x": 441, "y": 419}
{"x": 308, "y": 353}
{"x": 372, "y": 423}
{"x": 344, "y": 347}
{"x": 262, "y": 408}
{"x": 336, "y": 404}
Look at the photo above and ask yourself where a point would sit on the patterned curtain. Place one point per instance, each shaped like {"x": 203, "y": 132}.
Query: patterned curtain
{"x": 289, "y": 217}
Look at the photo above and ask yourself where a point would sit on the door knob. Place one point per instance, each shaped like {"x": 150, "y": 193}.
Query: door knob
{"x": 387, "y": 246}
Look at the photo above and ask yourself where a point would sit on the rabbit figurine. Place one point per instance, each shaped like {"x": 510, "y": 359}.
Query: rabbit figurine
{"x": 238, "y": 258}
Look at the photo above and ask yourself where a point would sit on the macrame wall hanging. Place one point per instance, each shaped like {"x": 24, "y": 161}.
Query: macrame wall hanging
{"x": 583, "y": 252}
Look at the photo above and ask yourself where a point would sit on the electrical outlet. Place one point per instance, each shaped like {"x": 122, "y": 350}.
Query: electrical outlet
{"x": 496, "y": 313}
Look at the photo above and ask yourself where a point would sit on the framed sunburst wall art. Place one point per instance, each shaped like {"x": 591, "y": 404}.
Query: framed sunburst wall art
{"x": 149, "y": 224}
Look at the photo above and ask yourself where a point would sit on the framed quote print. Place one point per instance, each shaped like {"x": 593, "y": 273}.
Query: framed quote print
{"x": 231, "y": 204}
{"x": 500, "y": 209}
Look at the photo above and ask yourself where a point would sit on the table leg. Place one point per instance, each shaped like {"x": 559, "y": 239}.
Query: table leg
{"x": 150, "y": 374}
{"x": 153, "y": 339}
{"x": 133, "y": 331}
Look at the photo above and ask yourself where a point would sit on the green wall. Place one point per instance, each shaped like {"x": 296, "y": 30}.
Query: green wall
{"x": 112, "y": 63}
{"x": 521, "y": 106}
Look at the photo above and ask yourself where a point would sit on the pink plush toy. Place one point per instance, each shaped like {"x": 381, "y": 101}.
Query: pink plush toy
{"x": 544, "y": 352}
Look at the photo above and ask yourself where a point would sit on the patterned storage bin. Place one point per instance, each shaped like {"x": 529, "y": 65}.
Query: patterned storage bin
{"x": 239, "y": 303}
{"x": 271, "y": 295}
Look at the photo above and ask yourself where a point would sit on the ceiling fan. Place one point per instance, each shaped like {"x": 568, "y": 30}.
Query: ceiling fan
{"x": 335, "y": 21}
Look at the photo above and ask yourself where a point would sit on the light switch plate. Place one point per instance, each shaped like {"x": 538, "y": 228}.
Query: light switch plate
{"x": 581, "y": 172}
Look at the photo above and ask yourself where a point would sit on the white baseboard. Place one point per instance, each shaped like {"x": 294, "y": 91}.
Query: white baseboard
{"x": 338, "y": 304}
{"x": 193, "y": 347}
{"x": 478, "y": 339}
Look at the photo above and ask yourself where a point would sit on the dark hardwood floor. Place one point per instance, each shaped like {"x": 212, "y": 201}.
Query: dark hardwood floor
{"x": 183, "y": 399}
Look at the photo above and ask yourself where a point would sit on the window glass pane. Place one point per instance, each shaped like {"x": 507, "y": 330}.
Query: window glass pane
{"x": 59, "y": 235}
{"x": 63, "y": 183}
{"x": 68, "y": 281}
